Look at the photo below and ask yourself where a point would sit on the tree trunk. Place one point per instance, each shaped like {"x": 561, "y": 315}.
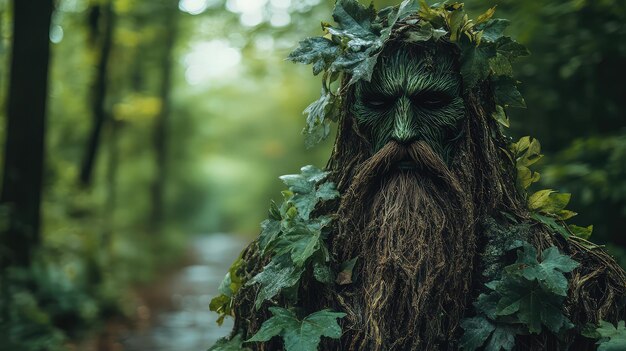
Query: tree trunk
{"x": 24, "y": 150}
{"x": 160, "y": 137}
{"x": 99, "y": 112}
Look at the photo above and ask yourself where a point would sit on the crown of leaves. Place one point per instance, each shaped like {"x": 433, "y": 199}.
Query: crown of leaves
{"x": 351, "y": 47}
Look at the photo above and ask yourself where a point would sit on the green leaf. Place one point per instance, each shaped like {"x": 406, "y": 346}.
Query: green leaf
{"x": 510, "y": 48}
{"x": 354, "y": 20}
{"x": 319, "y": 51}
{"x": 477, "y": 330}
{"x": 299, "y": 335}
{"x": 581, "y": 232}
{"x": 613, "y": 338}
{"x": 318, "y": 115}
{"x": 506, "y": 93}
{"x": 502, "y": 338}
{"x": 487, "y": 304}
{"x": 279, "y": 274}
{"x": 323, "y": 273}
{"x": 552, "y": 224}
{"x": 548, "y": 201}
{"x": 234, "y": 344}
{"x": 500, "y": 116}
{"x": 423, "y": 33}
{"x": 270, "y": 229}
{"x": 501, "y": 66}
{"x": 549, "y": 271}
{"x": 475, "y": 63}
{"x": 493, "y": 29}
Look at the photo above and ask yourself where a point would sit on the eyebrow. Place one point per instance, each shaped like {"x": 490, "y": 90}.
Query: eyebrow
{"x": 394, "y": 76}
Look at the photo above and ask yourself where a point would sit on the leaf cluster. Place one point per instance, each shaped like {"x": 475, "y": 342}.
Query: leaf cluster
{"x": 232, "y": 282}
{"x": 350, "y": 48}
{"x": 293, "y": 239}
{"x": 527, "y": 297}
{"x": 547, "y": 205}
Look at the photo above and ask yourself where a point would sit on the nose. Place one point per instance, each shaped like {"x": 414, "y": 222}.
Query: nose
{"x": 403, "y": 126}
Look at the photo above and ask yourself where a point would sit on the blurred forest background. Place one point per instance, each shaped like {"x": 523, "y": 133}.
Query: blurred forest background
{"x": 162, "y": 120}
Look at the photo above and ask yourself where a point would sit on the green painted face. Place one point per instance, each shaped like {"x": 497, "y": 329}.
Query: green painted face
{"x": 414, "y": 94}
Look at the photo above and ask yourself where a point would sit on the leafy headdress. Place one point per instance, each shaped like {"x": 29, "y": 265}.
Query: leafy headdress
{"x": 349, "y": 51}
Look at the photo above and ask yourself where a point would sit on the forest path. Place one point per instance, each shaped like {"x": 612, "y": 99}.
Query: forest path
{"x": 179, "y": 317}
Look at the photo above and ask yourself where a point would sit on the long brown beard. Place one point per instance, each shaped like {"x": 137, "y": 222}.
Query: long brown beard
{"x": 413, "y": 233}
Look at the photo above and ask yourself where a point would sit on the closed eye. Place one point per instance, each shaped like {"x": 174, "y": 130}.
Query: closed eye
{"x": 378, "y": 102}
{"x": 431, "y": 99}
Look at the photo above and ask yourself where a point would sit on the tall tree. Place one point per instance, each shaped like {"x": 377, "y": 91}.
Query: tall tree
{"x": 106, "y": 16}
{"x": 170, "y": 14}
{"x": 26, "y": 117}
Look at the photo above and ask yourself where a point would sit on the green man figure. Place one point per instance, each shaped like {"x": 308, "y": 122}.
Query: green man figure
{"x": 420, "y": 234}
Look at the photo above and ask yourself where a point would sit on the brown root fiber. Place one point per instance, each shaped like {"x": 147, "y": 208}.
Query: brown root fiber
{"x": 417, "y": 235}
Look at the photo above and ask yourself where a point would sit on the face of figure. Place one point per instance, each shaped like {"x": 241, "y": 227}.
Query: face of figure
{"x": 414, "y": 94}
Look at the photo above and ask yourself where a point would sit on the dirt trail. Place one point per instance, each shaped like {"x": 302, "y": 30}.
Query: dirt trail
{"x": 176, "y": 313}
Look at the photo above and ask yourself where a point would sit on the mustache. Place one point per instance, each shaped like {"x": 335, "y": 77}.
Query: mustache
{"x": 423, "y": 159}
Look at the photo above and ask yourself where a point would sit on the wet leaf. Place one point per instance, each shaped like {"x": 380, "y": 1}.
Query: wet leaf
{"x": 319, "y": 51}
{"x": 299, "y": 335}
{"x": 477, "y": 330}
{"x": 279, "y": 274}
{"x": 613, "y": 338}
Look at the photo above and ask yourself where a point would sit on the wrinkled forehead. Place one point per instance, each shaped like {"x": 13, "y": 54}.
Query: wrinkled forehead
{"x": 416, "y": 67}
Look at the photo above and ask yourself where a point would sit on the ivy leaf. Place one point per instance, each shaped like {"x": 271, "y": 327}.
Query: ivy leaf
{"x": 510, "y": 48}
{"x": 581, "y": 232}
{"x": 270, "y": 229}
{"x": 493, "y": 29}
{"x": 506, "y": 93}
{"x": 613, "y": 339}
{"x": 302, "y": 241}
{"x": 299, "y": 335}
{"x": 319, "y": 51}
{"x": 487, "y": 304}
{"x": 503, "y": 337}
{"x": 549, "y": 271}
{"x": 234, "y": 344}
{"x": 318, "y": 113}
{"x": 305, "y": 203}
{"x": 279, "y": 274}
{"x": 354, "y": 20}
{"x": 477, "y": 330}
{"x": 552, "y": 224}
{"x": 475, "y": 62}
